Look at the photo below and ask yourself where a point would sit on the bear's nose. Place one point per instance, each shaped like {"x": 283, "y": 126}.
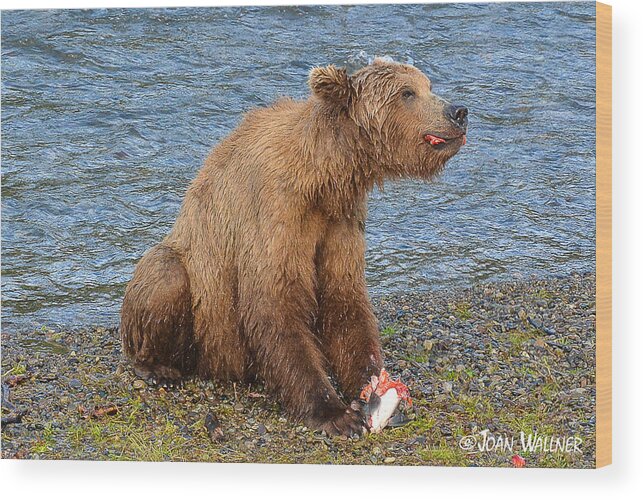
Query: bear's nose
{"x": 458, "y": 115}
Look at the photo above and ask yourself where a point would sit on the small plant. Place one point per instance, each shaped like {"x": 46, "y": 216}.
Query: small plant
{"x": 477, "y": 407}
{"x": 388, "y": 331}
{"x": 443, "y": 455}
{"x": 543, "y": 294}
{"x": 46, "y": 443}
{"x": 18, "y": 369}
{"x": 416, "y": 358}
{"x": 463, "y": 311}
{"x": 518, "y": 337}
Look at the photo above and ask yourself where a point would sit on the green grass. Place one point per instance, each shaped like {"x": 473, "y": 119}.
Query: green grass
{"x": 416, "y": 358}
{"x": 18, "y": 369}
{"x": 128, "y": 436}
{"x": 543, "y": 294}
{"x": 47, "y": 440}
{"x": 418, "y": 427}
{"x": 549, "y": 390}
{"x": 554, "y": 460}
{"x": 477, "y": 408}
{"x": 517, "y": 338}
{"x": 389, "y": 331}
{"x": 458, "y": 376}
{"x": 525, "y": 370}
{"x": 443, "y": 455}
{"x": 463, "y": 311}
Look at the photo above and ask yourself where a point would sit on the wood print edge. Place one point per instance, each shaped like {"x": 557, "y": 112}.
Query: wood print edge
{"x": 603, "y": 234}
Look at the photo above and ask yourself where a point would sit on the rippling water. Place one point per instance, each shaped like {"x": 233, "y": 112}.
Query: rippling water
{"x": 108, "y": 114}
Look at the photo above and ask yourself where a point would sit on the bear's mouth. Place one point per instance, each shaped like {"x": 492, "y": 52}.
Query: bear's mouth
{"x": 436, "y": 140}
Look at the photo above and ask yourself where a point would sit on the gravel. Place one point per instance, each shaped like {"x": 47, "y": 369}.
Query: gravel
{"x": 495, "y": 360}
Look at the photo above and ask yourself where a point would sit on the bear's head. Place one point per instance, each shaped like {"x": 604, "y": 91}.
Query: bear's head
{"x": 400, "y": 125}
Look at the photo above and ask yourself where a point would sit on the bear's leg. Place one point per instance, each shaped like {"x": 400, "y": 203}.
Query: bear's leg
{"x": 156, "y": 318}
{"x": 278, "y": 308}
{"x": 346, "y": 324}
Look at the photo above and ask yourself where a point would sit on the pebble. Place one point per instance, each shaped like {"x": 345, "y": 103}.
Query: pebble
{"x": 139, "y": 384}
{"x": 74, "y": 383}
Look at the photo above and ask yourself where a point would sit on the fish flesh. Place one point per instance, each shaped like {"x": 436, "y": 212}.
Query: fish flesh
{"x": 382, "y": 396}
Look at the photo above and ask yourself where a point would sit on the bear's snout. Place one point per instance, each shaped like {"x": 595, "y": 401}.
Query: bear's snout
{"x": 458, "y": 115}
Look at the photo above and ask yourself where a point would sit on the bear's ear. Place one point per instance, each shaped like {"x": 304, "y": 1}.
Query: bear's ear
{"x": 382, "y": 61}
{"x": 331, "y": 84}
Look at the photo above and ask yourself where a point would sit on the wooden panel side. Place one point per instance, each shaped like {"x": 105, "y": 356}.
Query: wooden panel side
{"x": 603, "y": 234}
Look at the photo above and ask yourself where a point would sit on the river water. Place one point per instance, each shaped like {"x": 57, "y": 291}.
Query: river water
{"x": 108, "y": 114}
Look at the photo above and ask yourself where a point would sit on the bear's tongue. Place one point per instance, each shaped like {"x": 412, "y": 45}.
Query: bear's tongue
{"x": 433, "y": 139}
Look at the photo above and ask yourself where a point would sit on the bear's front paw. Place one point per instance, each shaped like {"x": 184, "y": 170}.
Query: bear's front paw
{"x": 341, "y": 421}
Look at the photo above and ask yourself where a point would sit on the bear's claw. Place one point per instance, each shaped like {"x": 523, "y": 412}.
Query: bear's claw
{"x": 344, "y": 422}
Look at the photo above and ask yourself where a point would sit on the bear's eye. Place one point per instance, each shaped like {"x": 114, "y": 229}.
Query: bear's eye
{"x": 408, "y": 94}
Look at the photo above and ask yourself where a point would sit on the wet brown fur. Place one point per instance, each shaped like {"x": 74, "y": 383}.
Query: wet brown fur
{"x": 262, "y": 274}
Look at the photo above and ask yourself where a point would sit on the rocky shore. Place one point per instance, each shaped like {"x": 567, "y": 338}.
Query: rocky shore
{"x": 498, "y": 373}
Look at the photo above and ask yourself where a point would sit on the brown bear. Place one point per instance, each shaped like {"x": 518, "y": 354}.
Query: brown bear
{"x": 262, "y": 276}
